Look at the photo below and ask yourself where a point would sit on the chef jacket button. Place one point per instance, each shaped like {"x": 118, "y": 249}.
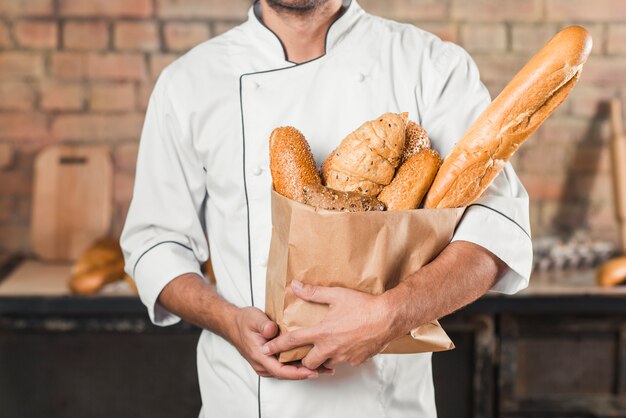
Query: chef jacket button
{"x": 257, "y": 171}
{"x": 360, "y": 77}
{"x": 263, "y": 262}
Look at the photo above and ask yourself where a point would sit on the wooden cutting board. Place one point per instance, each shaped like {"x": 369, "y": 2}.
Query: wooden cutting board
{"x": 72, "y": 200}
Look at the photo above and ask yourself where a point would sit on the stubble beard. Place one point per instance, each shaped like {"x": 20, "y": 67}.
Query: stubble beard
{"x": 296, "y": 7}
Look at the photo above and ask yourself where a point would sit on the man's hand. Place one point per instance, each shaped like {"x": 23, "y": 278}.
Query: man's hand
{"x": 247, "y": 329}
{"x": 356, "y": 327}
{"x": 253, "y": 329}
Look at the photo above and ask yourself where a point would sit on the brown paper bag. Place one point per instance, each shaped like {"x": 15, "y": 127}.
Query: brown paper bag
{"x": 366, "y": 251}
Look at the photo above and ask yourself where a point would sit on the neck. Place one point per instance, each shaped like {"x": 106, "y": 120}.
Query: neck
{"x": 301, "y": 31}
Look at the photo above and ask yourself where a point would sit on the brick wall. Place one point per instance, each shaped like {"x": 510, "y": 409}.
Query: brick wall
{"x": 81, "y": 71}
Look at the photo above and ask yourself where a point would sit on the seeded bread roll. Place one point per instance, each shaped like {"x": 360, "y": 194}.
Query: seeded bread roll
{"x": 416, "y": 139}
{"x": 411, "y": 182}
{"x": 322, "y": 197}
{"x": 367, "y": 158}
{"x": 531, "y": 96}
{"x": 291, "y": 163}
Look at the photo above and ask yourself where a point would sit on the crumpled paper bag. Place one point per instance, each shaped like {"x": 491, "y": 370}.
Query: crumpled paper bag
{"x": 366, "y": 251}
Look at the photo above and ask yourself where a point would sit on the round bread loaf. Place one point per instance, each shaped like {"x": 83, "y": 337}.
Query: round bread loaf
{"x": 416, "y": 139}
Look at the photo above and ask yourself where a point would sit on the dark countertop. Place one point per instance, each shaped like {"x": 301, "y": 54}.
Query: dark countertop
{"x": 568, "y": 291}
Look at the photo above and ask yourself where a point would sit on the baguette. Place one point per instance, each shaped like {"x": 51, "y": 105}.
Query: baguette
{"x": 291, "y": 163}
{"x": 411, "y": 182}
{"x": 533, "y": 94}
{"x": 322, "y": 197}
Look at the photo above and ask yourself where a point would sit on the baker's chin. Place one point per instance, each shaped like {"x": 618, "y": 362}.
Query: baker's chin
{"x": 296, "y": 6}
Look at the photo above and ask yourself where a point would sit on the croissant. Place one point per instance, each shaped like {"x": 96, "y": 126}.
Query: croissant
{"x": 366, "y": 160}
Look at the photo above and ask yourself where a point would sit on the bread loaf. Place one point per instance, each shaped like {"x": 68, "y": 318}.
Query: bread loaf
{"x": 416, "y": 140}
{"x": 411, "y": 182}
{"x": 322, "y": 197}
{"x": 365, "y": 160}
{"x": 612, "y": 272}
{"x": 291, "y": 163}
{"x": 533, "y": 94}
{"x": 101, "y": 263}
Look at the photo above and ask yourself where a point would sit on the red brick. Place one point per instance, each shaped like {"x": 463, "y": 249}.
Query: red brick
{"x": 183, "y": 36}
{"x": 593, "y": 187}
{"x": 97, "y": 127}
{"x": 537, "y": 161}
{"x": 7, "y": 154}
{"x": 26, "y": 7}
{"x": 112, "y": 96}
{"x": 497, "y": 11}
{"x": 123, "y": 187}
{"x": 214, "y": 9}
{"x": 16, "y": 182}
{"x": 62, "y": 96}
{"x": 589, "y": 101}
{"x": 125, "y": 156}
{"x": 5, "y": 37}
{"x": 616, "y": 36}
{"x": 7, "y": 208}
{"x": 586, "y": 10}
{"x": 557, "y": 131}
{"x": 484, "y": 37}
{"x": 605, "y": 71}
{"x": 16, "y": 96}
{"x": 14, "y": 238}
{"x": 111, "y": 8}
{"x": 592, "y": 159}
{"x": 20, "y": 65}
{"x": 159, "y": 61}
{"x": 142, "y": 36}
{"x": 86, "y": 35}
{"x": 499, "y": 68}
{"x": 530, "y": 38}
{"x": 220, "y": 27}
{"x": 116, "y": 67}
{"x": 404, "y": 10}
{"x": 543, "y": 187}
{"x": 93, "y": 66}
{"x": 31, "y": 126}
{"x": 144, "y": 90}
{"x": 36, "y": 34}
{"x": 448, "y": 31}
{"x": 23, "y": 210}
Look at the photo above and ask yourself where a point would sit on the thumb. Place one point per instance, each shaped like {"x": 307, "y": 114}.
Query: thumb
{"x": 269, "y": 330}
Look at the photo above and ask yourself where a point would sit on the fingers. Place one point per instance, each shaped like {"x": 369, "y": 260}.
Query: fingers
{"x": 269, "y": 330}
{"x": 287, "y": 371}
{"x": 314, "y": 359}
{"x": 288, "y": 341}
{"x": 316, "y": 294}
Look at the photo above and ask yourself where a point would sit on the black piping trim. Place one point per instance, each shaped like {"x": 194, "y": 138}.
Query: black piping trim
{"x": 243, "y": 136}
{"x": 345, "y": 9}
{"x": 156, "y": 245}
{"x": 506, "y": 216}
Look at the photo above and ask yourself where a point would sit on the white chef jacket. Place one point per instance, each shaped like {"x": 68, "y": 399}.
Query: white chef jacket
{"x": 203, "y": 182}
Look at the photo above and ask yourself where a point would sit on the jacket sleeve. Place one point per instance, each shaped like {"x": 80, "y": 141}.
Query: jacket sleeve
{"x": 163, "y": 236}
{"x": 499, "y": 220}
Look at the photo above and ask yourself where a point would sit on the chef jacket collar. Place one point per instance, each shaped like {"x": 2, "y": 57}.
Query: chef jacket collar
{"x": 337, "y": 30}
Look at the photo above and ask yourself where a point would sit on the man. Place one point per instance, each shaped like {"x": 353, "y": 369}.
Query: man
{"x": 324, "y": 67}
